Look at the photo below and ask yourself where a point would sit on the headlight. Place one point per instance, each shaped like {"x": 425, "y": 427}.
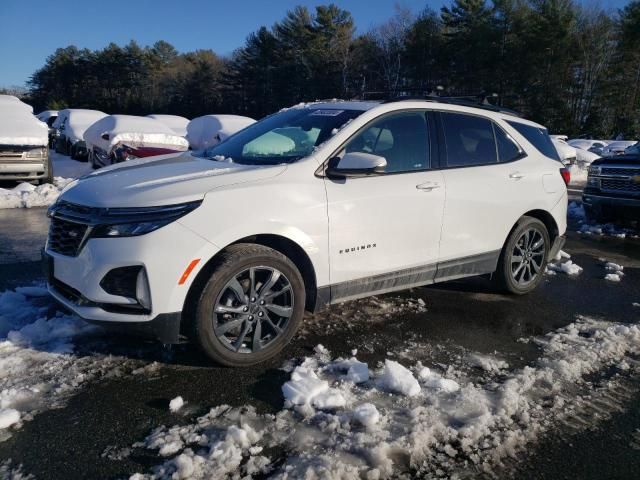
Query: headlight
{"x": 131, "y": 222}
{"x": 595, "y": 170}
{"x": 36, "y": 153}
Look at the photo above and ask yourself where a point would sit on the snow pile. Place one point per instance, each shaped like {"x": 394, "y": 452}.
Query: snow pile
{"x": 38, "y": 366}
{"x": 307, "y": 390}
{"x": 576, "y": 210}
{"x": 467, "y": 432}
{"x": 614, "y": 271}
{"x": 8, "y": 416}
{"x": 176, "y": 404}
{"x": 27, "y": 195}
{"x": 19, "y": 127}
{"x": 487, "y": 363}
{"x": 398, "y": 379}
{"x": 209, "y": 130}
{"x": 133, "y": 131}
{"x": 175, "y": 122}
{"x": 567, "y": 267}
{"x": 607, "y": 229}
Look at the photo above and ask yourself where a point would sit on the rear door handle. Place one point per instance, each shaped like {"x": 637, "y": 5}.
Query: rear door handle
{"x": 428, "y": 186}
{"x": 516, "y": 175}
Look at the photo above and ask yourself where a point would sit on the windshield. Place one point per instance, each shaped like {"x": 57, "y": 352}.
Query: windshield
{"x": 282, "y": 138}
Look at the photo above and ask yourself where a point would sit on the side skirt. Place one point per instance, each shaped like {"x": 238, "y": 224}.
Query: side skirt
{"x": 408, "y": 278}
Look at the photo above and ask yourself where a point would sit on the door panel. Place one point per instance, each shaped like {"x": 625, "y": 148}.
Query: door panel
{"x": 385, "y": 224}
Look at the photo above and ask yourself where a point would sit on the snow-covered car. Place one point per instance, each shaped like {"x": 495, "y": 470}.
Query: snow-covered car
{"x": 568, "y": 155}
{"x": 24, "y": 153}
{"x": 49, "y": 117}
{"x": 564, "y": 138}
{"x": 616, "y": 147}
{"x": 74, "y": 122}
{"x": 12, "y": 101}
{"x": 117, "y": 138}
{"x": 314, "y": 205}
{"x": 209, "y": 130}
{"x": 175, "y": 122}
{"x": 633, "y": 149}
{"x": 588, "y": 144}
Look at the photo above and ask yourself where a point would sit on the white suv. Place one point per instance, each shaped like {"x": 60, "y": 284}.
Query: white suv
{"x": 311, "y": 206}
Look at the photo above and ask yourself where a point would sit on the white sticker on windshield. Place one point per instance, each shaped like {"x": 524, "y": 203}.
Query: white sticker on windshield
{"x": 327, "y": 113}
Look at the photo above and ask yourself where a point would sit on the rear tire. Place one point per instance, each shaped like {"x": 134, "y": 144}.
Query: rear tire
{"x": 250, "y": 307}
{"x": 524, "y": 257}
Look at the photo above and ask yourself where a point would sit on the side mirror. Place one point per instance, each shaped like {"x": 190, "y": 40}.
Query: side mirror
{"x": 355, "y": 164}
{"x": 105, "y": 136}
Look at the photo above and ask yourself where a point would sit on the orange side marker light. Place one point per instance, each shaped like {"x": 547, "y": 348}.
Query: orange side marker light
{"x": 188, "y": 271}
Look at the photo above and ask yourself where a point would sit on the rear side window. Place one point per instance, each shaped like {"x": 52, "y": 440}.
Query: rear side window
{"x": 508, "y": 149}
{"x": 538, "y": 137}
{"x": 469, "y": 140}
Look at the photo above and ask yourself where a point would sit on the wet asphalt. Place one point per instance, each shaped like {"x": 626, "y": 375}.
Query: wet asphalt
{"x": 70, "y": 442}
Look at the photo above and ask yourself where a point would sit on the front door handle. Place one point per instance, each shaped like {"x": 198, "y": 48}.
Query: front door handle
{"x": 516, "y": 175}
{"x": 428, "y": 186}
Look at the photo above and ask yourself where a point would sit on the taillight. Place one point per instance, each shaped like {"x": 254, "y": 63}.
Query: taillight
{"x": 566, "y": 175}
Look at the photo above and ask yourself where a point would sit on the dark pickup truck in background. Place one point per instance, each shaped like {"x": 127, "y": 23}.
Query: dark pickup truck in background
{"x": 613, "y": 189}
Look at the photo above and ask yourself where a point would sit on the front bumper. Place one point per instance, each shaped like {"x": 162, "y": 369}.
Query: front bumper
{"x": 23, "y": 170}
{"x": 75, "y": 282}
{"x": 594, "y": 200}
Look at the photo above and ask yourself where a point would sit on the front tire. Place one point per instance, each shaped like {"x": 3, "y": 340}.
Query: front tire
{"x": 524, "y": 257}
{"x": 250, "y": 307}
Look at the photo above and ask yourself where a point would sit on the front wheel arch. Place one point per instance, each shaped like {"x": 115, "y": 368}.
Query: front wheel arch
{"x": 290, "y": 249}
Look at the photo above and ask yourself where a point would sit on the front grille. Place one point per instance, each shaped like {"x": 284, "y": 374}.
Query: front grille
{"x": 65, "y": 237}
{"x": 630, "y": 172}
{"x": 619, "y": 185}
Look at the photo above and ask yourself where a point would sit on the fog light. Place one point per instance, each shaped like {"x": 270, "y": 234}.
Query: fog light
{"x": 143, "y": 295}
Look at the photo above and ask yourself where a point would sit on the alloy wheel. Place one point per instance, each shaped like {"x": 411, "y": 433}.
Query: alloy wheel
{"x": 253, "y": 309}
{"x": 527, "y": 258}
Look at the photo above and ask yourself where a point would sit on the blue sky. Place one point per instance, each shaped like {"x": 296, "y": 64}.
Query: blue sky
{"x": 30, "y": 30}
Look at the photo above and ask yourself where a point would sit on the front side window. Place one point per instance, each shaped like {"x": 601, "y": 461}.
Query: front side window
{"x": 469, "y": 140}
{"x": 538, "y": 137}
{"x": 282, "y": 138}
{"x": 401, "y": 138}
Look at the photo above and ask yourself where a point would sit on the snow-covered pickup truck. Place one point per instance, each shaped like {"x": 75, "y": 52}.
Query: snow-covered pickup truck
{"x": 24, "y": 153}
{"x": 314, "y": 205}
{"x": 613, "y": 188}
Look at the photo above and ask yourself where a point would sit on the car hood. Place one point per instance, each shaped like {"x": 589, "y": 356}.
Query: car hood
{"x": 161, "y": 180}
{"x": 632, "y": 159}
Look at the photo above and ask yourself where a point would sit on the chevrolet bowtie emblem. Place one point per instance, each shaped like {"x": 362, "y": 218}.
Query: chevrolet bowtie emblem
{"x": 635, "y": 179}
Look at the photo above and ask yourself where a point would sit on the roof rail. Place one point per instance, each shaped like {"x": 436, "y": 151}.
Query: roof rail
{"x": 476, "y": 101}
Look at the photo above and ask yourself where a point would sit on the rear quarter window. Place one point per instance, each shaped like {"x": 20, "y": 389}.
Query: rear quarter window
{"x": 538, "y": 137}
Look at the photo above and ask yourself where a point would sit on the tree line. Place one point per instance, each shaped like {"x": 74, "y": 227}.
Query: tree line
{"x": 571, "y": 67}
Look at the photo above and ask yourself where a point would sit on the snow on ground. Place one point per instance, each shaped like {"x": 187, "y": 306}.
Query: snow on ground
{"x": 576, "y": 210}
{"x": 65, "y": 167}
{"x": 176, "y": 404}
{"x": 28, "y": 195}
{"x": 614, "y": 272}
{"x": 39, "y": 365}
{"x": 401, "y": 423}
